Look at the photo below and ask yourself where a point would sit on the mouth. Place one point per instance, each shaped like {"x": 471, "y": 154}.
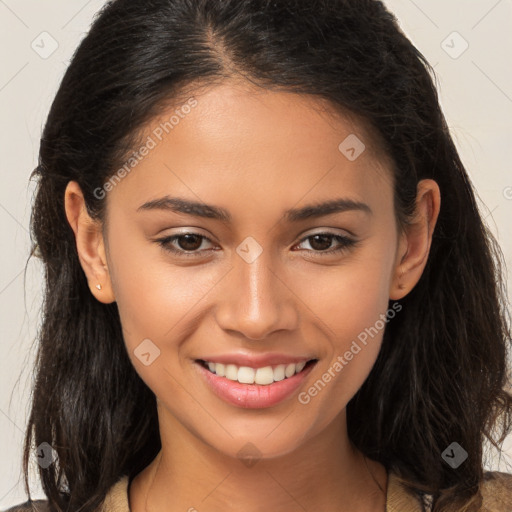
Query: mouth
{"x": 254, "y": 388}
{"x": 262, "y": 376}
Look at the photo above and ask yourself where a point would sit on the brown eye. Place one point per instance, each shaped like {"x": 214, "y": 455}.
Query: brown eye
{"x": 184, "y": 244}
{"x": 321, "y": 242}
{"x": 189, "y": 242}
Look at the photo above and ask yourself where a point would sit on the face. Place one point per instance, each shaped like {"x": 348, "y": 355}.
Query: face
{"x": 260, "y": 277}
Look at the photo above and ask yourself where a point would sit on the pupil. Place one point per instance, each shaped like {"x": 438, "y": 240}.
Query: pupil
{"x": 319, "y": 242}
{"x": 326, "y": 238}
{"x": 187, "y": 239}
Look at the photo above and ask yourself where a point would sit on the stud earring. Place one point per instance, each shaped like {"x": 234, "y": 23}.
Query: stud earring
{"x": 98, "y": 286}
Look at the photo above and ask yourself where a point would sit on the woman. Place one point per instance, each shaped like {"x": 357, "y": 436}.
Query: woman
{"x": 268, "y": 285}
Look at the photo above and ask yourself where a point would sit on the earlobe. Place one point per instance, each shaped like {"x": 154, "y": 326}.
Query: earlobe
{"x": 89, "y": 244}
{"x": 416, "y": 240}
{"x": 398, "y": 288}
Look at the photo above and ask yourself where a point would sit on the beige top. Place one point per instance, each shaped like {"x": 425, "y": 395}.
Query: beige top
{"x": 496, "y": 493}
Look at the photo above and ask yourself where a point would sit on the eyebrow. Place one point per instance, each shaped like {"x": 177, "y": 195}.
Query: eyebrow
{"x": 198, "y": 209}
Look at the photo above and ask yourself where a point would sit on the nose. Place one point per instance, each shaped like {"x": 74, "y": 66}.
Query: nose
{"x": 255, "y": 300}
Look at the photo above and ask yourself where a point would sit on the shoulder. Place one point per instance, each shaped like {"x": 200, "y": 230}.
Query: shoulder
{"x": 31, "y": 506}
{"x": 496, "y": 489}
{"x": 116, "y": 500}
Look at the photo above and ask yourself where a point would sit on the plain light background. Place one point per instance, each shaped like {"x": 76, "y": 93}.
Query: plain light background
{"x": 469, "y": 42}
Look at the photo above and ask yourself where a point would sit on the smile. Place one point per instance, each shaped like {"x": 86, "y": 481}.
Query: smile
{"x": 254, "y": 388}
{"x": 263, "y": 376}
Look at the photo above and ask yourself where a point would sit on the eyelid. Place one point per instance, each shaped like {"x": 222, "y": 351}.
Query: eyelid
{"x": 305, "y": 234}
{"x": 327, "y": 231}
{"x": 344, "y": 243}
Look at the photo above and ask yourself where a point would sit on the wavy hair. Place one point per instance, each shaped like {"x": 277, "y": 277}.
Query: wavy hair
{"x": 441, "y": 374}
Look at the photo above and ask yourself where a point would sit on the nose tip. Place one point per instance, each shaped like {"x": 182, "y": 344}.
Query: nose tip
{"x": 254, "y": 313}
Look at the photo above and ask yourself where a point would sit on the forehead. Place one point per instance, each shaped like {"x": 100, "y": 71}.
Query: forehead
{"x": 258, "y": 145}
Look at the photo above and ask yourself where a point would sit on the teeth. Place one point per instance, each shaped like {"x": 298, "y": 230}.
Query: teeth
{"x": 246, "y": 375}
{"x": 300, "y": 366}
{"x": 231, "y": 372}
{"x": 262, "y": 376}
{"x": 279, "y": 372}
{"x": 290, "y": 370}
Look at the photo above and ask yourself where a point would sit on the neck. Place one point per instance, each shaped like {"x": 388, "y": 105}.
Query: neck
{"x": 324, "y": 473}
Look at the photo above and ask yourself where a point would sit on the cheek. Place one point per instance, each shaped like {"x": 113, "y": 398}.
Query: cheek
{"x": 351, "y": 296}
{"x": 351, "y": 302}
{"x": 156, "y": 299}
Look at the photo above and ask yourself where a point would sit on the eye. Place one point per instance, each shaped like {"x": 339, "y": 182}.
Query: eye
{"x": 322, "y": 241}
{"x": 189, "y": 244}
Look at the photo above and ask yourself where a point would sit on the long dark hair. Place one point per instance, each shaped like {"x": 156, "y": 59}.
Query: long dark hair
{"x": 441, "y": 373}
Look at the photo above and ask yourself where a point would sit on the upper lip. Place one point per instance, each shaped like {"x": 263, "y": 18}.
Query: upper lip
{"x": 255, "y": 360}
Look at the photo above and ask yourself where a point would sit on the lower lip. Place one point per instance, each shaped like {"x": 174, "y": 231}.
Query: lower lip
{"x": 253, "y": 396}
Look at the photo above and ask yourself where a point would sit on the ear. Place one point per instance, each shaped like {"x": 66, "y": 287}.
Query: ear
{"x": 415, "y": 241}
{"x": 89, "y": 243}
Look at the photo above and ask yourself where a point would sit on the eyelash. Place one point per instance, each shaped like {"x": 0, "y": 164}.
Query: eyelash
{"x": 345, "y": 242}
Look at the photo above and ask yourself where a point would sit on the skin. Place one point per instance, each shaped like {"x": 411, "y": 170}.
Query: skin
{"x": 255, "y": 153}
